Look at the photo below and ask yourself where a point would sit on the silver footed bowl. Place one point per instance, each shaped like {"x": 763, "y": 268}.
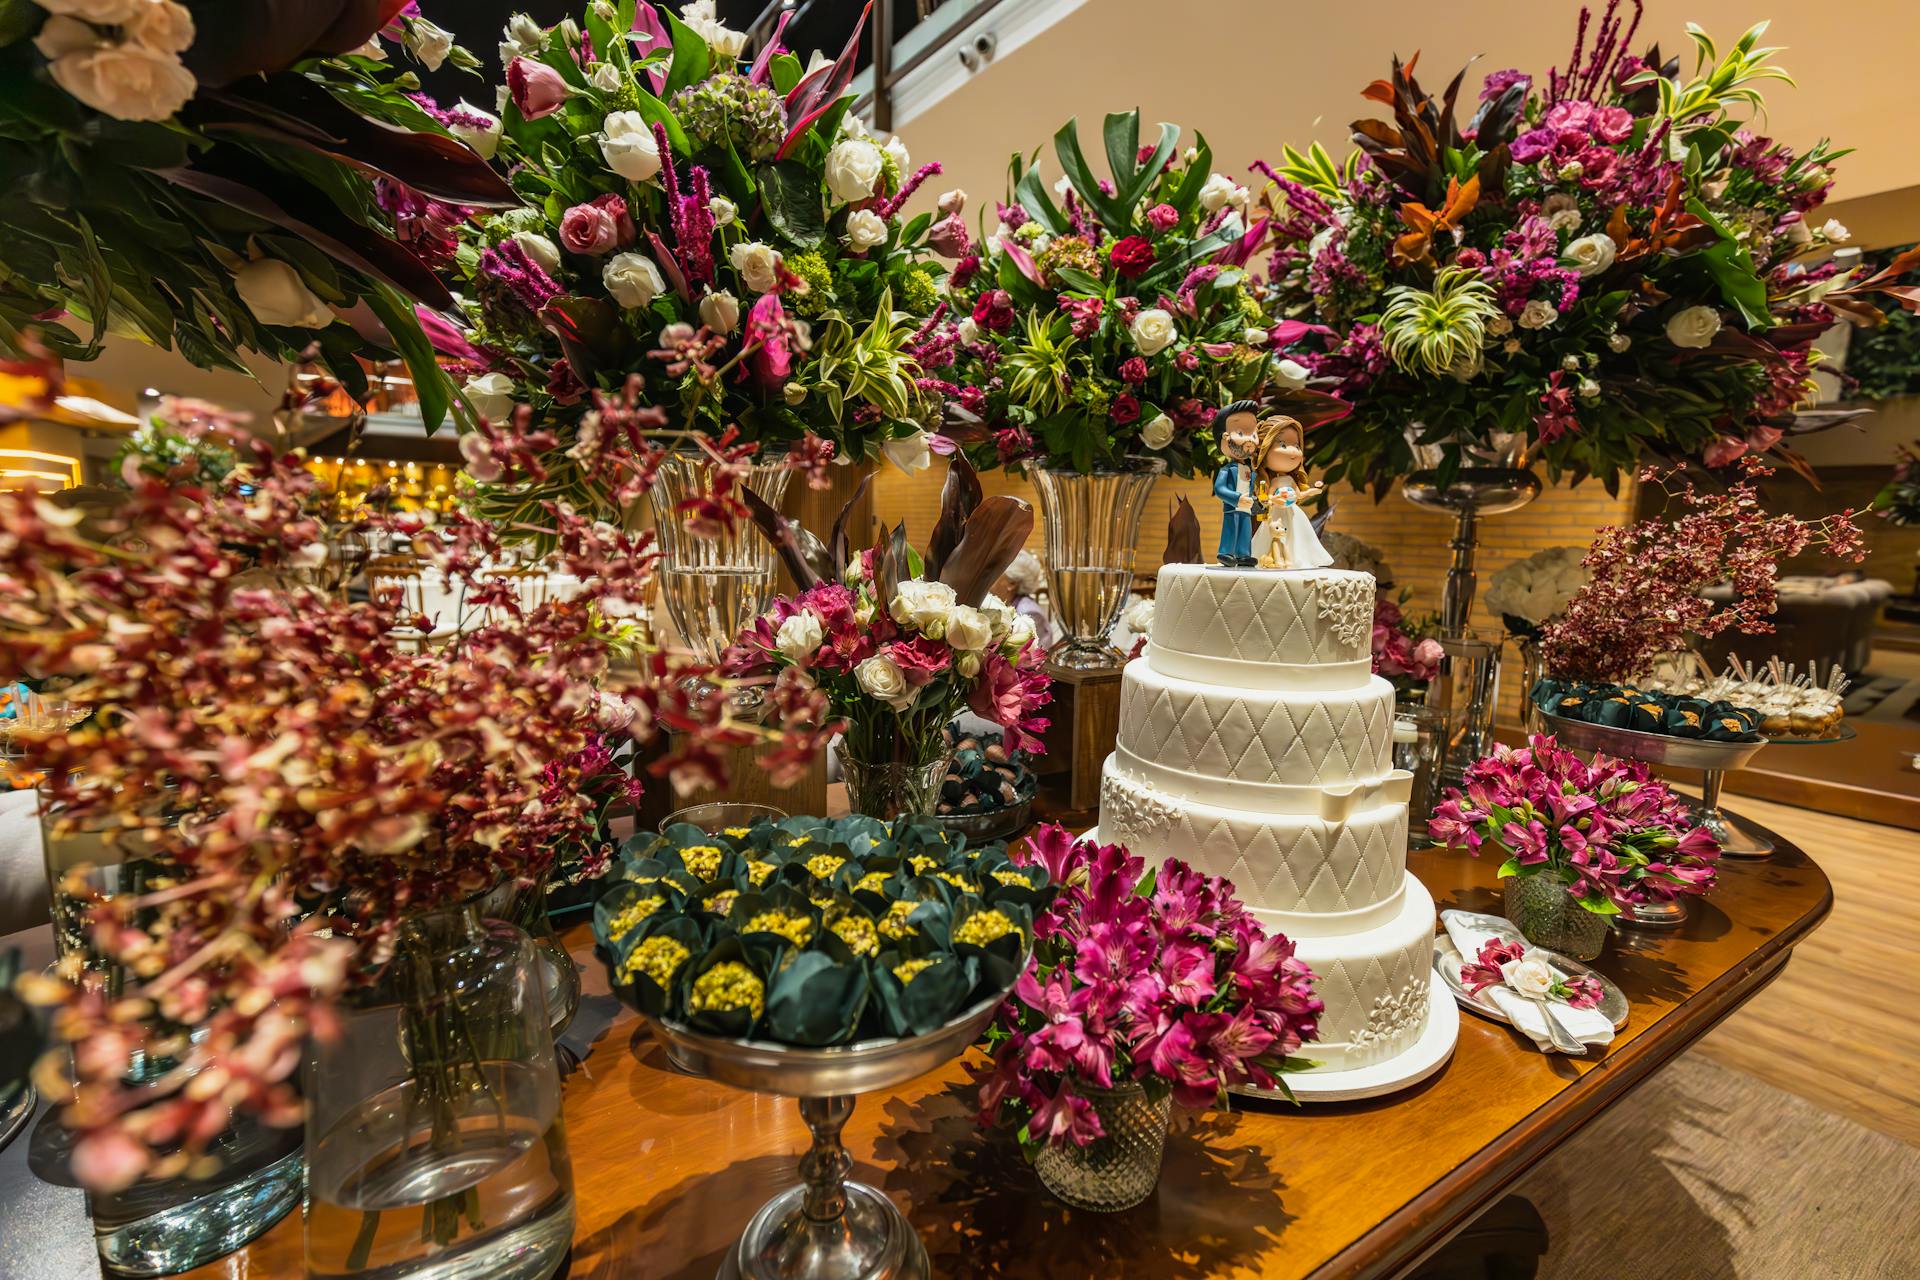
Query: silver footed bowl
{"x": 1652, "y": 748}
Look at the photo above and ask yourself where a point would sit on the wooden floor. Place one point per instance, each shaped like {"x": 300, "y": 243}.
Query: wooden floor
{"x": 1839, "y": 1026}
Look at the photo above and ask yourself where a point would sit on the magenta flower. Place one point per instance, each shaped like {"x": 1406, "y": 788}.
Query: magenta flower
{"x": 536, "y": 88}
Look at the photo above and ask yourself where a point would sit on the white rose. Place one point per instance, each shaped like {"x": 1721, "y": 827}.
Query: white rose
{"x": 544, "y": 252}
{"x": 1158, "y": 433}
{"x": 1529, "y": 976}
{"x": 1589, "y": 389}
{"x": 1291, "y": 373}
{"x": 999, "y": 613}
{"x": 897, "y": 151}
{"x": 1138, "y": 617}
{"x": 1619, "y": 342}
{"x": 969, "y": 331}
{"x": 606, "y": 77}
{"x": 523, "y": 36}
{"x": 968, "y": 628}
{"x": 799, "y": 637}
{"x": 967, "y": 663}
{"x": 1799, "y": 234}
{"x": 757, "y": 265}
{"x": 627, "y": 144}
{"x": 853, "y": 167}
{"x": 865, "y": 229}
{"x": 1537, "y": 315}
{"x": 1217, "y": 192}
{"x": 724, "y": 211}
{"x": 165, "y": 26}
{"x": 1835, "y": 230}
{"x": 491, "y": 395}
{"x": 1694, "y": 327}
{"x": 276, "y": 295}
{"x": 126, "y": 81}
{"x": 1590, "y": 255}
{"x": 1152, "y": 331}
{"x": 1019, "y": 632}
{"x": 879, "y": 678}
{"x": 478, "y": 129}
{"x": 106, "y": 13}
{"x": 632, "y": 279}
{"x": 720, "y": 312}
{"x": 910, "y": 453}
{"x": 1565, "y": 220}
{"x": 920, "y": 604}
{"x": 429, "y": 43}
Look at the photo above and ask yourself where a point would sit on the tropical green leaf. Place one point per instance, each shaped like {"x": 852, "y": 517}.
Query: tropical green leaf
{"x": 429, "y": 380}
{"x": 790, "y": 193}
{"x": 692, "y": 58}
{"x": 785, "y": 71}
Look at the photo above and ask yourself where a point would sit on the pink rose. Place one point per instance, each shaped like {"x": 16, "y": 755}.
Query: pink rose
{"x": 588, "y": 229}
{"x": 1124, "y": 409}
{"x": 1162, "y": 217}
{"x": 948, "y": 237}
{"x": 1133, "y": 369}
{"x": 536, "y": 88}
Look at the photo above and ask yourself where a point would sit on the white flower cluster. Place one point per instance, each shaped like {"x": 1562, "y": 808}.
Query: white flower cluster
{"x": 120, "y": 57}
{"x": 1349, "y": 552}
{"x": 1537, "y": 589}
{"x": 932, "y": 610}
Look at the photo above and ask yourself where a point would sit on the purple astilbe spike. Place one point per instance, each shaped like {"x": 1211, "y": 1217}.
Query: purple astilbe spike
{"x": 891, "y": 205}
{"x": 511, "y": 265}
{"x": 669, "y": 181}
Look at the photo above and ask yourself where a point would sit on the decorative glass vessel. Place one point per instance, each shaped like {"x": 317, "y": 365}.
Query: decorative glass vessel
{"x": 1116, "y": 1171}
{"x": 1548, "y": 916}
{"x": 1090, "y": 523}
{"x": 1467, "y": 693}
{"x": 718, "y": 815}
{"x": 713, "y": 586}
{"x": 1531, "y": 669}
{"x": 435, "y": 1144}
{"x": 887, "y": 789}
{"x": 1419, "y": 743}
{"x": 526, "y": 906}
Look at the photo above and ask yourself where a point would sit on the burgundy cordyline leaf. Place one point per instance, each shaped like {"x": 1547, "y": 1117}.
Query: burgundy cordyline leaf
{"x": 646, "y": 21}
{"x": 761, "y": 70}
{"x": 996, "y": 531}
{"x": 842, "y": 537}
{"x": 1183, "y": 535}
{"x": 958, "y": 497}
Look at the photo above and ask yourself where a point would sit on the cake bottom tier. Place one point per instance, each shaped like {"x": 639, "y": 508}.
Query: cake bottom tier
{"x": 1375, "y": 985}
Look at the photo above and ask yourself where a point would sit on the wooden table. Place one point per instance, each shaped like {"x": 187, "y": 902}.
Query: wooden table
{"x": 667, "y": 1168}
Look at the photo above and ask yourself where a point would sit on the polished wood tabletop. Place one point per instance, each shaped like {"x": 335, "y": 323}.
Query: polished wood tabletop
{"x": 668, "y": 1168}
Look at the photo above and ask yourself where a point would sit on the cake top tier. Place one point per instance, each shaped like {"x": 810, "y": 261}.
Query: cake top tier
{"x": 1263, "y": 628}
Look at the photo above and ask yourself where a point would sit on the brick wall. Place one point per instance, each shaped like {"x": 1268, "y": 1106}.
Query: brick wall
{"x": 1414, "y": 541}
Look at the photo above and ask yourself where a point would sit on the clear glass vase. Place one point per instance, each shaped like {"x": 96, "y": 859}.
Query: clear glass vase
{"x": 1419, "y": 743}
{"x": 526, "y": 906}
{"x": 435, "y": 1144}
{"x": 1548, "y": 916}
{"x": 888, "y": 789}
{"x": 1116, "y": 1171}
{"x": 1090, "y": 523}
{"x": 713, "y": 586}
{"x": 1467, "y": 693}
{"x": 1531, "y": 669}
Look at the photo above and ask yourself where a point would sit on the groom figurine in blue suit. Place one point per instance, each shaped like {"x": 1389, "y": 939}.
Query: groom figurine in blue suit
{"x": 1236, "y": 429}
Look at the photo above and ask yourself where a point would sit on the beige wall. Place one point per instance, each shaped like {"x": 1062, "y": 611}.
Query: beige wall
{"x": 1252, "y": 74}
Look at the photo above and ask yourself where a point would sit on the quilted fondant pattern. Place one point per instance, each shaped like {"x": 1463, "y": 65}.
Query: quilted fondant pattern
{"x": 1323, "y": 739}
{"x": 1376, "y": 1005}
{"x": 1276, "y": 863}
{"x": 1250, "y": 615}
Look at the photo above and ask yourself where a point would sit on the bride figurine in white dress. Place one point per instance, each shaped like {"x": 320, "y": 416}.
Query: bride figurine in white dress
{"x": 1285, "y": 538}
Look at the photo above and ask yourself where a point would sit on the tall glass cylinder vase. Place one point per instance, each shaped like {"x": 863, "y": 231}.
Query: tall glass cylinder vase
{"x": 435, "y": 1144}
{"x": 525, "y": 905}
{"x": 713, "y": 586}
{"x": 1466, "y": 693}
{"x": 1531, "y": 669}
{"x": 1091, "y": 526}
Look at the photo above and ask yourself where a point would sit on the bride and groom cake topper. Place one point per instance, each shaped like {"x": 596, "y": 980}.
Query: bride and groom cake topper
{"x": 1260, "y": 488}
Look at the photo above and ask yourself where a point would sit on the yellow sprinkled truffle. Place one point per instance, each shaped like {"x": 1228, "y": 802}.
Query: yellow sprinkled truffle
{"x": 728, "y": 985}
{"x": 894, "y": 923}
{"x": 759, "y": 872}
{"x": 957, "y": 880}
{"x": 858, "y": 933}
{"x": 703, "y": 860}
{"x": 907, "y": 970}
{"x": 823, "y": 865}
{"x": 737, "y": 833}
{"x": 1013, "y": 877}
{"x": 635, "y": 876}
{"x": 983, "y": 927}
{"x": 659, "y": 957}
{"x": 721, "y": 903}
{"x": 796, "y": 929}
{"x": 624, "y": 920}
{"x": 872, "y": 882}
{"x": 921, "y": 863}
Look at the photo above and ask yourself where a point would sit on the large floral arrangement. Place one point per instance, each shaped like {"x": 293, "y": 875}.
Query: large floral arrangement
{"x": 1111, "y": 318}
{"x": 301, "y": 775}
{"x": 1610, "y": 831}
{"x": 1157, "y": 977}
{"x": 1646, "y": 596}
{"x": 222, "y": 178}
{"x": 1604, "y": 262}
{"x": 900, "y": 643}
{"x": 728, "y": 229}
{"x": 1529, "y": 593}
{"x": 815, "y": 932}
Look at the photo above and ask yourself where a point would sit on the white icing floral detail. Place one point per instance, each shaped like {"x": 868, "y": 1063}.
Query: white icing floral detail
{"x": 1396, "y": 1015}
{"x": 1131, "y": 810}
{"x": 1346, "y": 606}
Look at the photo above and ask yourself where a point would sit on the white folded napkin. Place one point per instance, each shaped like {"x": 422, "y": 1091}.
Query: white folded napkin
{"x": 1589, "y": 1026}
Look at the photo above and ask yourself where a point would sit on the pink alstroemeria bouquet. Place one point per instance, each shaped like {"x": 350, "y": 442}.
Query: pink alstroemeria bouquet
{"x": 1611, "y": 832}
{"x": 1160, "y": 978}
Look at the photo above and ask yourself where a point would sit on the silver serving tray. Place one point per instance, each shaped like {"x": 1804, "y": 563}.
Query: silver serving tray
{"x": 1652, "y": 748}
{"x": 1447, "y": 962}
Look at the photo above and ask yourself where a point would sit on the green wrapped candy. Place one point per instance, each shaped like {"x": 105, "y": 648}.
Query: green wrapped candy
{"x": 999, "y": 936}
{"x": 655, "y": 969}
{"x": 817, "y": 996}
{"x": 727, "y": 993}
{"x": 771, "y": 923}
{"x": 920, "y": 989}
{"x": 630, "y": 911}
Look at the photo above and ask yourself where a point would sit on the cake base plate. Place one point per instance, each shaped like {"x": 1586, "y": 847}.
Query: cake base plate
{"x": 1409, "y": 1067}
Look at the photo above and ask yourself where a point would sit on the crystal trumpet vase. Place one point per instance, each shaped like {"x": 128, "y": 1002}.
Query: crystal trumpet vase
{"x": 1090, "y": 523}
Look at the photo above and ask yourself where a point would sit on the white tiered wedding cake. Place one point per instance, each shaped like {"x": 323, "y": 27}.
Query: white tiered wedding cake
{"x": 1256, "y": 743}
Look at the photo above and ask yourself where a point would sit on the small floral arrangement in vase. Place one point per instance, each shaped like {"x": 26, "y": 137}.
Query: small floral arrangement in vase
{"x": 900, "y": 643}
{"x": 1145, "y": 989}
{"x": 1404, "y": 649}
{"x": 1582, "y": 842}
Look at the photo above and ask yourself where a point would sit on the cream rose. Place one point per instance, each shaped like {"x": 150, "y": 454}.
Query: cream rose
{"x": 799, "y": 637}
{"x": 1218, "y": 192}
{"x": 720, "y": 312}
{"x": 163, "y": 25}
{"x": 1158, "y": 432}
{"x": 880, "y": 679}
{"x": 627, "y": 145}
{"x": 967, "y": 663}
{"x": 544, "y": 252}
{"x": 968, "y": 331}
{"x": 1537, "y": 315}
{"x": 909, "y": 453}
{"x": 632, "y": 279}
{"x": 1019, "y": 632}
{"x": 757, "y": 265}
{"x": 999, "y": 613}
{"x": 126, "y": 81}
{"x": 606, "y": 77}
{"x": 921, "y": 605}
{"x": 1152, "y": 331}
{"x": 1529, "y": 976}
{"x": 1590, "y": 255}
{"x": 491, "y": 395}
{"x": 276, "y": 295}
{"x": 853, "y": 167}
{"x": 1693, "y": 327}
{"x": 865, "y": 229}
{"x": 897, "y": 152}
{"x": 523, "y": 36}
{"x": 968, "y": 628}
{"x": 1836, "y": 231}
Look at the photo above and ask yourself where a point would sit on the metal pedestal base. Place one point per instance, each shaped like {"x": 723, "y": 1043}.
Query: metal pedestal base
{"x": 1655, "y": 915}
{"x": 872, "y": 1240}
{"x": 1735, "y": 840}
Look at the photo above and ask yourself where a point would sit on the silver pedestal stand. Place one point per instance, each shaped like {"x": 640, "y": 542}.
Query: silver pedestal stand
{"x": 828, "y": 1228}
